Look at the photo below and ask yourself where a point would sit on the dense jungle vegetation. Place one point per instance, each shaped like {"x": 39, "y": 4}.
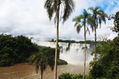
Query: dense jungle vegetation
{"x": 20, "y": 49}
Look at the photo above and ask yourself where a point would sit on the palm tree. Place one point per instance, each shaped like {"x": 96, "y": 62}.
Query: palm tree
{"x": 81, "y": 21}
{"x": 53, "y": 7}
{"x": 96, "y": 19}
{"x": 42, "y": 60}
{"x": 116, "y": 23}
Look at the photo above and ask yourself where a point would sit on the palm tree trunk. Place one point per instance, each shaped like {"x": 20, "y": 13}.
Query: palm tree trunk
{"x": 84, "y": 53}
{"x": 95, "y": 46}
{"x": 57, "y": 37}
{"x": 41, "y": 74}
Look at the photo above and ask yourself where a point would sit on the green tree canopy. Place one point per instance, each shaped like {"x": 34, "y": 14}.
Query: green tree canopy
{"x": 107, "y": 65}
{"x": 15, "y": 49}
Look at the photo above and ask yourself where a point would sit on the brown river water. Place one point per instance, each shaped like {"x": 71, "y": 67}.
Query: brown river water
{"x": 24, "y": 71}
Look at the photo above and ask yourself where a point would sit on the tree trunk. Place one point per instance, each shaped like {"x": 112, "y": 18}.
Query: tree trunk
{"x": 41, "y": 74}
{"x": 95, "y": 46}
{"x": 57, "y": 37}
{"x": 84, "y": 53}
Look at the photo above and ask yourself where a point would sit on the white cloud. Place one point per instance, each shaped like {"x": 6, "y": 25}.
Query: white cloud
{"x": 28, "y": 17}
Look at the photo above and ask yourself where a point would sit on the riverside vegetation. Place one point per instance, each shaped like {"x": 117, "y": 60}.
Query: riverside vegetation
{"x": 15, "y": 49}
{"x": 20, "y": 49}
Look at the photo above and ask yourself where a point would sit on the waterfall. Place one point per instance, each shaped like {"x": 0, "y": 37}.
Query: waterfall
{"x": 73, "y": 53}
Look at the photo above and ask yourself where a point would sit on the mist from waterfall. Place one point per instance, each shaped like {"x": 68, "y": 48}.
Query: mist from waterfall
{"x": 73, "y": 53}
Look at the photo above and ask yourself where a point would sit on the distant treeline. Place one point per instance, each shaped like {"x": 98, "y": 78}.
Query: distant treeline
{"x": 73, "y": 41}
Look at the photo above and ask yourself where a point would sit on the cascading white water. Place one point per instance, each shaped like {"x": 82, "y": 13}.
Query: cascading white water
{"x": 73, "y": 53}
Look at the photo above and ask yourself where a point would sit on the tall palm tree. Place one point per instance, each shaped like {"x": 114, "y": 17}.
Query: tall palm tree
{"x": 53, "y": 7}
{"x": 95, "y": 20}
{"x": 81, "y": 21}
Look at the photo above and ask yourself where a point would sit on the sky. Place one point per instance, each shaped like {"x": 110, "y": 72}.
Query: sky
{"x": 29, "y": 18}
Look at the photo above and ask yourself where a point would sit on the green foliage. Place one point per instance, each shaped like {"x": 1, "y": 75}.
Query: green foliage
{"x": 49, "y": 53}
{"x": 116, "y": 23}
{"x": 65, "y": 76}
{"x": 61, "y": 62}
{"x": 15, "y": 49}
{"x": 77, "y": 76}
{"x": 70, "y": 76}
{"x": 43, "y": 58}
{"x": 18, "y": 49}
{"x": 107, "y": 64}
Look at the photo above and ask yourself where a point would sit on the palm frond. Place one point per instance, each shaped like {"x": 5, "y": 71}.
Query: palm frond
{"x": 87, "y": 30}
{"x": 55, "y": 19}
{"x": 40, "y": 60}
{"x": 100, "y": 21}
{"x": 35, "y": 57}
{"x": 43, "y": 63}
{"x": 91, "y": 22}
{"x": 37, "y": 65}
{"x": 50, "y": 6}
{"x": 51, "y": 62}
{"x": 111, "y": 17}
{"x": 68, "y": 8}
{"x": 97, "y": 8}
{"x": 102, "y": 17}
{"x": 86, "y": 14}
{"x": 77, "y": 19}
{"x": 78, "y": 28}
{"x": 91, "y": 8}
{"x": 76, "y": 24}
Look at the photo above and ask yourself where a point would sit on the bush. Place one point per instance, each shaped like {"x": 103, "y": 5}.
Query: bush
{"x": 65, "y": 76}
{"x": 70, "y": 76}
{"x": 77, "y": 76}
{"x": 61, "y": 62}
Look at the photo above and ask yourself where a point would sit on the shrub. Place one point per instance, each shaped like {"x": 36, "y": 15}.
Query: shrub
{"x": 65, "y": 76}
{"x": 70, "y": 76}
{"x": 61, "y": 62}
